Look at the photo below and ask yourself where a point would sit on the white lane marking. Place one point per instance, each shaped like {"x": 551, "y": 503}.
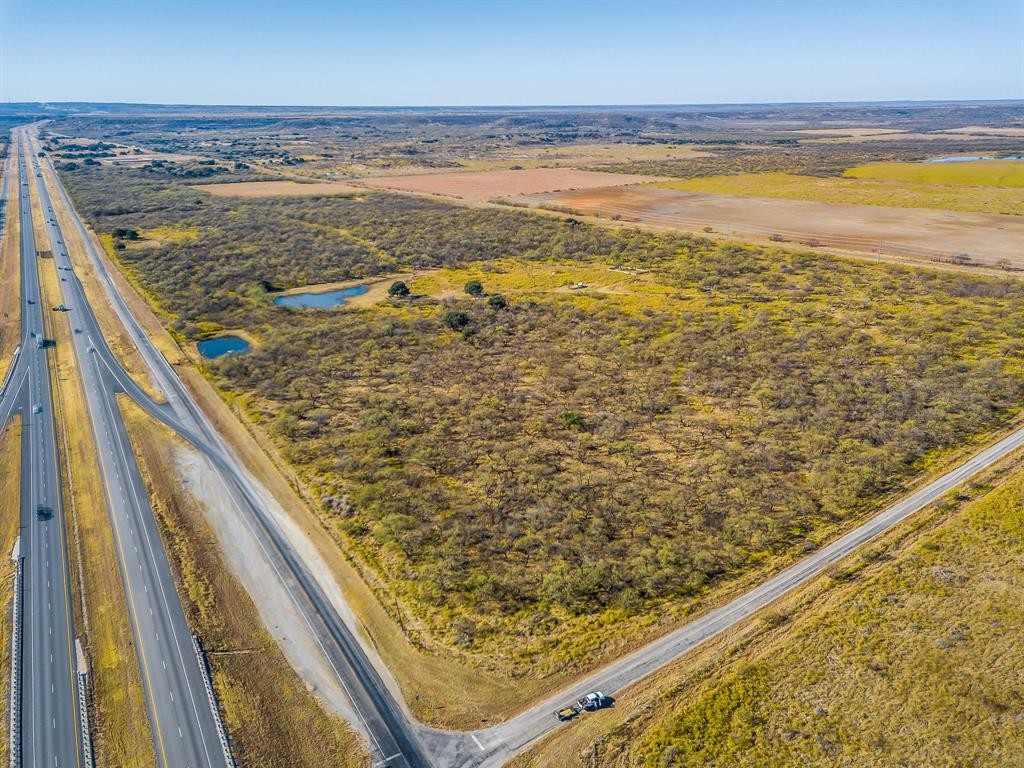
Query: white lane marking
{"x": 477, "y": 742}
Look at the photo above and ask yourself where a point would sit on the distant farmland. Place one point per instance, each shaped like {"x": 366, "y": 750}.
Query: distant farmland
{"x": 992, "y": 239}
{"x": 484, "y": 185}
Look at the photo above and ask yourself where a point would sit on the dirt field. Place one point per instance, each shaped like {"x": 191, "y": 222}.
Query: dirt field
{"x": 983, "y": 130}
{"x": 989, "y": 239}
{"x": 484, "y": 185}
{"x": 847, "y": 131}
{"x": 275, "y": 189}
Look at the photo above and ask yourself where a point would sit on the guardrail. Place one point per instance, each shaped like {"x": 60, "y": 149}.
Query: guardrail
{"x": 10, "y": 371}
{"x": 82, "y": 674}
{"x": 16, "y": 618}
{"x": 222, "y": 734}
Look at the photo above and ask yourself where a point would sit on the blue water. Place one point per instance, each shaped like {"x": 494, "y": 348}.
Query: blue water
{"x": 324, "y": 300}
{"x": 969, "y": 158}
{"x": 211, "y": 349}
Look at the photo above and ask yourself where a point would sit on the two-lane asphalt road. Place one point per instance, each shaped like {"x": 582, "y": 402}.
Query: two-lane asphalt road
{"x": 183, "y": 724}
{"x": 48, "y": 710}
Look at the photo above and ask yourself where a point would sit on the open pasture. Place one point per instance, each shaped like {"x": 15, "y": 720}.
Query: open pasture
{"x": 943, "y": 186}
{"x": 484, "y": 185}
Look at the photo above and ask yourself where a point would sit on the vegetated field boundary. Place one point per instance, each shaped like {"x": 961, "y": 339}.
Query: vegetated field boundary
{"x": 959, "y": 238}
{"x": 609, "y": 738}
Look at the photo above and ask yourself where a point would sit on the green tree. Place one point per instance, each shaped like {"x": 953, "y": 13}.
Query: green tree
{"x": 497, "y": 301}
{"x": 475, "y": 288}
{"x": 399, "y": 289}
{"x": 456, "y": 319}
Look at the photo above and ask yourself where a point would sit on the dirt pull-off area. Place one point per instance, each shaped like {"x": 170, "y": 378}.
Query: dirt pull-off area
{"x": 981, "y": 238}
{"x": 485, "y": 185}
{"x": 275, "y": 189}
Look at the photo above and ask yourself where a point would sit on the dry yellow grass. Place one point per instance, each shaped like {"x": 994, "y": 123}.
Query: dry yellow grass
{"x": 10, "y": 284}
{"x": 272, "y": 718}
{"x": 803, "y": 643}
{"x": 122, "y": 726}
{"x": 252, "y": 189}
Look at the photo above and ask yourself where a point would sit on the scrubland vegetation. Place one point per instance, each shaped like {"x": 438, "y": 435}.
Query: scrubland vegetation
{"x": 914, "y": 664}
{"x": 527, "y": 474}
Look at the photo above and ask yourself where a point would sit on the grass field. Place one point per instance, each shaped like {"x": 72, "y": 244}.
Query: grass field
{"x": 981, "y": 173}
{"x": 916, "y": 665}
{"x": 946, "y": 186}
{"x": 904, "y": 655}
{"x": 272, "y": 718}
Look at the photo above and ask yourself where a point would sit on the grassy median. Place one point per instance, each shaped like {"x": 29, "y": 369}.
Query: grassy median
{"x": 271, "y": 717}
{"x": 10, "y": 514}
{"x": 122, "y": 734}
{"x": 10, "y": 284}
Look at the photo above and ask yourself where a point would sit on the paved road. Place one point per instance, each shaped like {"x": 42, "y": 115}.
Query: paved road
{"x": 183, "y": 724}
{"x": 382, "y": 717}
{"x": 48, "y": 711}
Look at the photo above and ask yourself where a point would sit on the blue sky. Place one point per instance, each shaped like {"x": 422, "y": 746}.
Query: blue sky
{"x": 448, "y": 53}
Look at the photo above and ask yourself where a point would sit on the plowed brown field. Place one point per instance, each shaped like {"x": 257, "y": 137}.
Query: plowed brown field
{"x": 484, "y": 185}
{"x": 983, "y": 238}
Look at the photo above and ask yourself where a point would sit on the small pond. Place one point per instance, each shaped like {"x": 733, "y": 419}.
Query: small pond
{"x": 324, "y": 300}
{"x": 211, "y": 349}
{"x": 971, "y": 158}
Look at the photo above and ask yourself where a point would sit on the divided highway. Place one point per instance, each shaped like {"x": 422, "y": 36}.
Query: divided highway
{"x": 47, "y": 712}
{"x": 394, "y": 739}
{"x": 184, "y": 726}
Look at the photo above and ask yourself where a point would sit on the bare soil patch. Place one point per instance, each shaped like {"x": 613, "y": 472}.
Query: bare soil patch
{"x": 275, "y": 189}
{"x": 989, "y": 239}
{"x": 484, "y": 185}
{"x": 848, "y": 131}
{"x": 986, "y": 131}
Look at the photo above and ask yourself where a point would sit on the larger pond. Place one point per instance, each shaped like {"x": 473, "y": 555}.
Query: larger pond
{"x": 211, "y": 349}
{"x": 971, "y": 158}
{"x": 324, "y": 300}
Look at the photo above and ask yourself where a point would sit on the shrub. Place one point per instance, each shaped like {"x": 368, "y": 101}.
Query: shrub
{"x": 399, "y": 289}
{"x": 456, "y": 319}
{"x": 475, "y": 288}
